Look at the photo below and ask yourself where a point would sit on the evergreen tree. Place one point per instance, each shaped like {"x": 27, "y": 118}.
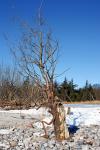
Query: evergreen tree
{"x": 87, "y": 92}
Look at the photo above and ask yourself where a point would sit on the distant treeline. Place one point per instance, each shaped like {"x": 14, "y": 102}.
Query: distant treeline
{"x": 18, "y": 89}
{"x": 68, "y": 91}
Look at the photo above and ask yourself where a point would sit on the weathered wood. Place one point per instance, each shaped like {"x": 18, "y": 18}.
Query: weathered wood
{"x": 60, "y": 128}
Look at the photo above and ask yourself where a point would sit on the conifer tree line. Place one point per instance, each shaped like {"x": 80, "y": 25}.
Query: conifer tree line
{"x": 69, "y": 92}
{"x": 22, "y": 90}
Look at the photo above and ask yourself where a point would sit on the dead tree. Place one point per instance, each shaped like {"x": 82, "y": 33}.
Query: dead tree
{"x": 36, "y": 54}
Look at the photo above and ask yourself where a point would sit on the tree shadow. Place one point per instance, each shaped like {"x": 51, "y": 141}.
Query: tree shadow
{"x": 72, "y": 129}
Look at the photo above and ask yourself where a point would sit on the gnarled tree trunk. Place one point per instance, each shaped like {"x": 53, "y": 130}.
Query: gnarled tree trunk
{"x": 60, "y": 128}
{"x": 58, "y": 112}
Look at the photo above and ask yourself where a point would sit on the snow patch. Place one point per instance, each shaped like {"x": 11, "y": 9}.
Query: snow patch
{"x": 78, "y": 116}
{"x": 5, "y": 131}
{"x": 84, "y": 116}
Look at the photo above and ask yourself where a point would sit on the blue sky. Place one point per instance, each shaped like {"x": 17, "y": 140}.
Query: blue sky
{"x": 75, "y": 23}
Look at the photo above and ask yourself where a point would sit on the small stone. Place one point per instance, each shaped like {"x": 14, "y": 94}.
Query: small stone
{"x": 64, "y": 142}
{"x": 13, "y": 143}
{"x": 85, "y": 147}
{"x": 71, "y": 140}
{"x": 52, "y": 143}
{"x": 89, "y": 142}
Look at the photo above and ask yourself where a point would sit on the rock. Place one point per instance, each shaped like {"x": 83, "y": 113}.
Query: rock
{"x": 20, "y": 143}
{"x": 71, "y": 140}
{"x": 64, "y": 142}
{"x": 52, "y": 143}
{"x": 13, "y": 143}
{"x": 45, "y": 144}
{"x": 86, "y": 138}
{"x": 89, "y": 142}
{"x": 39, "y": 139}
{"x": 4, "y": 146}
{"x": 26, "y": 142}
{"x": 85, "y": 147}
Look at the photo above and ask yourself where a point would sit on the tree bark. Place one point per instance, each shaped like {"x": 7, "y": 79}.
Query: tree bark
{"x": 60, "y": 127}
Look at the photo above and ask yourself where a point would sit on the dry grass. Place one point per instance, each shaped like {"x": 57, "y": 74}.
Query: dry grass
{"x": 15, "y": 104}
{"x": 26, "y": 104}
{"x": 84, "y": 102}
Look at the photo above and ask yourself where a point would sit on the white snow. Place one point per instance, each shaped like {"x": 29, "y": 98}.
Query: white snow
{"x": 34, "y": 113}
{"x": 78, "y": 116}
{"x": 84, "y": 116}
{"x": 5, "y": 131}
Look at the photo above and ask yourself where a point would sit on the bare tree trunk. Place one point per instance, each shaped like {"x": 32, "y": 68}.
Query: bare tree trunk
{"x": 58, "y": 112}
{"x": 60, "y": 128}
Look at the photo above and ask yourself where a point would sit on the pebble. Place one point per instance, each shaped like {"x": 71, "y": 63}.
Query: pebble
{"x": 85, "y": 138}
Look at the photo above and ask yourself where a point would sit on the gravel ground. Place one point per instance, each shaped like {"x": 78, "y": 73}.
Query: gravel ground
{"x": 31, "y": 138}
{"x": 18, "y": 134}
